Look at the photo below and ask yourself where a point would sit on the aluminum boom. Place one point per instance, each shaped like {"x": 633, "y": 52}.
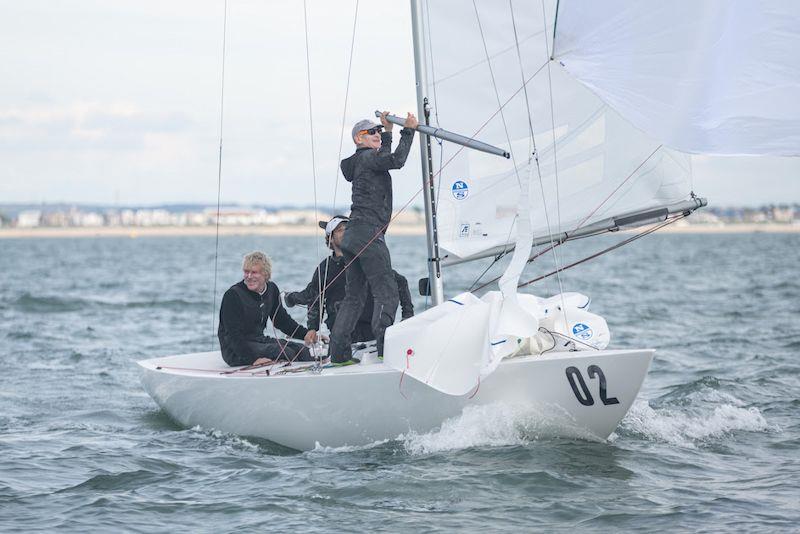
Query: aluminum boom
{"x": 628, "y": 220}
{"x": 450, "y": 136}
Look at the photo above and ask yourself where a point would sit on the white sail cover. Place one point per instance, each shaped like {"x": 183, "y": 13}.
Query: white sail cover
{"x": 593, "y": 163}
{"x": 710, "y": 76}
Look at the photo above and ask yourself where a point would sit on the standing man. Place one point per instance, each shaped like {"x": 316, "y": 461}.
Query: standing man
{"x": 364, "y": 245}
{"x": 331, "y": 272}
{"x": 243, "y": 316}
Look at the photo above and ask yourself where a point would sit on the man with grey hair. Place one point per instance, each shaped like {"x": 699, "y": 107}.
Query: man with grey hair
{"x": 364, "y": 246}
{"x": 243, "y": 316}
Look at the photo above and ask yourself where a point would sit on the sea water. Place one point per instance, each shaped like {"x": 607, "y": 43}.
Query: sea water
{"x": 712, "y": 443}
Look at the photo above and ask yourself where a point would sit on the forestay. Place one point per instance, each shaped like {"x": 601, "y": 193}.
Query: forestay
{"x": 713, "y": 77}
{"x": 593, "y": 163}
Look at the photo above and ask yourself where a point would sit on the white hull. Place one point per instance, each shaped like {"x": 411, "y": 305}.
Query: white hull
{"x": 361, "y": 404}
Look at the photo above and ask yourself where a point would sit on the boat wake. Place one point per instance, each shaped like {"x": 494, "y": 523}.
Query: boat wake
{"x": 695, "y": 424}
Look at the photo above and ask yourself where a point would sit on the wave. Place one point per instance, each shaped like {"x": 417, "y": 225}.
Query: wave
{"x": 47, "y": 304}
{"x": 693, "y": 427}
{"x": 491, "y": 425}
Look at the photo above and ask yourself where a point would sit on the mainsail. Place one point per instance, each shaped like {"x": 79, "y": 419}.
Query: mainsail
{"x": 496, "y": 82}
{"x": 711, "y": 77}
{"x": 600, "y": 135}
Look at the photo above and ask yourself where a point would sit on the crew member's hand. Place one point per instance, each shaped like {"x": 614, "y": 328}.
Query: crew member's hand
{"x": 262, "y": 361}
{"x": 411, "y": 122}
{"x": 386, "y": 124}
{"x": 311, "y": 337}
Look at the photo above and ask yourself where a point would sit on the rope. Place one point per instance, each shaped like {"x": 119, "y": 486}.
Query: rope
{"x": 608, "y": 249}
{"x": 556, "y": 261}
{"x": 313, "y": 151}
{"x": 336, "y": 181}
{"x": 219, "y": 178}
{"x": 583, "y": 221}
{"x": 497, "y": 93}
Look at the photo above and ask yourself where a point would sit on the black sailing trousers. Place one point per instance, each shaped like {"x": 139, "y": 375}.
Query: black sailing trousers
{"x": 373, "y": 265}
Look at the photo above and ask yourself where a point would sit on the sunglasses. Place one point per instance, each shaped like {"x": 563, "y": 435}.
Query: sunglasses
{"x": 372, "y": 131}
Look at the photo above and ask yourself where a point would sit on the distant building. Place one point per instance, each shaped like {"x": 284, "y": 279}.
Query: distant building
{"x": 783, "y": 214}
{"x": 29, "y": 219}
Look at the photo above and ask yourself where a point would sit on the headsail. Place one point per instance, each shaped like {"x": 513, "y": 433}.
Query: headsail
{"x": 495, "y": 82}
{"x": 712, "y": 77}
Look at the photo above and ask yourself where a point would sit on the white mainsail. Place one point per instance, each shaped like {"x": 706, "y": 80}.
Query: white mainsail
{"x": 590, "y": 157}
{"x": 602, "y": 129}
{"x": 711, "y": 77}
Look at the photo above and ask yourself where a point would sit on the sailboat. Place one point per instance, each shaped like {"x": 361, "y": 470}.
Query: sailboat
{"x": 590, "y": 117}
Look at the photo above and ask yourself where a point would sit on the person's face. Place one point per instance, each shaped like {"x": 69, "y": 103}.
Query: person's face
{"x": 254, "y": 277}
{"x": 338, "y": 234}
{"x": 371, "y": 140}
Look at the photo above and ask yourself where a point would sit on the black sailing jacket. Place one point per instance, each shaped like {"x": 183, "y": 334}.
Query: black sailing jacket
{"x": 368, "y": 170}
{"x": 243, "y": 317}
{"x": 335, "y": 293}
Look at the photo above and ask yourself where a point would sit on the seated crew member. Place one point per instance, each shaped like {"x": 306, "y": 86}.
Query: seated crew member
{"x": 243, "y": 316}
{"x": 331, "y": 269}
{"x": 364, "y": 245}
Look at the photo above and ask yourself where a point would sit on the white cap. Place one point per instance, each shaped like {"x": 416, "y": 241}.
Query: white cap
{"x": 331, "y": 225}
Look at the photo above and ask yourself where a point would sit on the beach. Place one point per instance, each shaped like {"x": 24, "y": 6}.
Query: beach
{"x": 309, "y": 230}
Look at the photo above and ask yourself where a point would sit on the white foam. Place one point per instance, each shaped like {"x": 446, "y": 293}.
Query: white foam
{"x": 491, "y": 425}
{"x": 690, "y": 426}
{"x": 320, "y": 449}
{"x": 231, "y": 440}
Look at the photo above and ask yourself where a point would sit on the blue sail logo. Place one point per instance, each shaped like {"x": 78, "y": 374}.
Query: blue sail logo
{"x": 460, "y": 190}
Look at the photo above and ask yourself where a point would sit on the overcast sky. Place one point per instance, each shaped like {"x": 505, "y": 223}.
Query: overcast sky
{"x": 119, "y": 102}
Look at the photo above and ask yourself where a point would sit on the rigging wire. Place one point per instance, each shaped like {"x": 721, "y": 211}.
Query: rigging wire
{"x": 219, "y": 177}
{"x": 609, "y": 249}
{"x": 336, "y": 181}
{"x": 497, "y": 93}
{"x": 313, "y": 151}
{"x": 556, "y": 261}
{"x": 585, "y": 219}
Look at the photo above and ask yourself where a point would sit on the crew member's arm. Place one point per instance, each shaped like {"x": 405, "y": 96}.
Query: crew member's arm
{"x": 305, "y": 296}
{"x": 281, "y": 318}
{"x": 308, "y": 297}
{"x": 406, "y": 304}
{"x": 383, "y": 159}
{"x": 232, "y": 317}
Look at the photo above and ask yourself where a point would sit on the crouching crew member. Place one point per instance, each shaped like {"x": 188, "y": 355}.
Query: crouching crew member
{"x": 330, "y": 270}
{"x": 243, "y": 316}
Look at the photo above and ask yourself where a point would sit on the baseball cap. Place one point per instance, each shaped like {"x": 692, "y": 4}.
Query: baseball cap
{"x": 365, "y": 124}
{"x": 331, "y": 225}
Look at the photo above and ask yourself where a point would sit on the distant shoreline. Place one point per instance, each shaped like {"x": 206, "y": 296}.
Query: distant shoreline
{"x": 293, "y": 230}
{"x": 179, "y": 231}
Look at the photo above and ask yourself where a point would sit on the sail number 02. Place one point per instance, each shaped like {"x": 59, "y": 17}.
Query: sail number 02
{"x": 581, "y": 390}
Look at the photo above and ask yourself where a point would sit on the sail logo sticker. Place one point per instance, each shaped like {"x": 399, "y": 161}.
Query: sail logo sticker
{"x": 464, "y": 231}
{"x": 460, "y": 190}
{"x": 582, "y": 331}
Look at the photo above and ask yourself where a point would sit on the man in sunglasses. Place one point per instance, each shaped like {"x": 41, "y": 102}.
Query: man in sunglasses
{"x": 364, "y": 245}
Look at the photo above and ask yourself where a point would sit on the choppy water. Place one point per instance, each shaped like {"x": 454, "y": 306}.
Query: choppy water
{"x": 713, "y": 443}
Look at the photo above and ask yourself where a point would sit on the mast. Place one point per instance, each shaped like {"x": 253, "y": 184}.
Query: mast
{"x": 435, "y": 282}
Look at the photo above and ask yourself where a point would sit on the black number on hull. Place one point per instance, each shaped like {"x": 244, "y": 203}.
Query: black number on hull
{"x": 581, "y": 390}
{"x": 583, "y": 395}
{"x": 594, "y": 370}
